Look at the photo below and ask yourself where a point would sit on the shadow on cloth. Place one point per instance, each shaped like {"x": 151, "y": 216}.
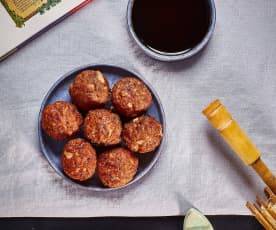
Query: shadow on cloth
{"x": 224, "y": 153}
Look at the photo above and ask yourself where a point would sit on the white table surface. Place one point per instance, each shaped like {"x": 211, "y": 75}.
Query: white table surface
{"x": 238, "y": 66}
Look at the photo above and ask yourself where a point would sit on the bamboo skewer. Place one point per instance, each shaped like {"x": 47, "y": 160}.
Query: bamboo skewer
{"x": 230, "y": 130}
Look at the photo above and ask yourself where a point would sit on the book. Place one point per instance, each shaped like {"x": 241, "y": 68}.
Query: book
{"x": 23, "y": 20}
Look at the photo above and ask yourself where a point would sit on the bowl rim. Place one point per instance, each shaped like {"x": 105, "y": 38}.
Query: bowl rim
{"x": 172, "y": 57}
{"x": 143, "y": 173}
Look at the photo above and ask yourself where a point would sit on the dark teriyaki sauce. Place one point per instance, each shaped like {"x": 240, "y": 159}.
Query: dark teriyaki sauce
{"x": 170, "y": 26}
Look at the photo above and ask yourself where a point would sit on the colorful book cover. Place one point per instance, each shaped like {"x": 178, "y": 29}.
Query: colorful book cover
{"x": 21, "y": 20}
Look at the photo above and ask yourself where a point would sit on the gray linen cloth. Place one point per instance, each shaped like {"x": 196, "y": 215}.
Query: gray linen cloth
{"x": 238, "y": 66}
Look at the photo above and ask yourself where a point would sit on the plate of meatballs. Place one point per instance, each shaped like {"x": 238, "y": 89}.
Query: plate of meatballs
{"x": 101, "y": 127}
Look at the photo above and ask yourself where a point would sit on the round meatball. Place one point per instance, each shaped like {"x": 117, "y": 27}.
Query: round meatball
{"x": 142, "y": 134}
{"x": 89, "y": 90}
{"x": 61, "y": 120}
{"x": 79, "y": 159}
{"x": 131, "y": 97}
{"x": 103, "y": 127}
{"x": 117, "y": 167}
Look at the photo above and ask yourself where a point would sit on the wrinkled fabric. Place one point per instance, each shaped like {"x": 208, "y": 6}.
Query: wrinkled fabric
{"x": 238, "y": 66}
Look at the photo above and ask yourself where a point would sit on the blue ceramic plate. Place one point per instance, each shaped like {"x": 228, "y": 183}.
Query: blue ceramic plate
{"x": 52, "y": 149}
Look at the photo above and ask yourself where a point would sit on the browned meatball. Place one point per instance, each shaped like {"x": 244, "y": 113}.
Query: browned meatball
{"x": 103, "y": 127}
{"x": 61, "y": 120}
{"x": 142, "y": 134}
{"x": 79, "y": 159}
{"x": 117, "y": 167}
{"x": 131, "y": 97}
{"x": 89, "y": 90}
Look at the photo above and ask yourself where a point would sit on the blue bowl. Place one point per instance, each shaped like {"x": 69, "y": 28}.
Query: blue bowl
{"x": 173, "y": 57}
{"x": 52, "y": 149}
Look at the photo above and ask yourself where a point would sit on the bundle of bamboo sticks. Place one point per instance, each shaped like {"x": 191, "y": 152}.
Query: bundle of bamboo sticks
{"x": 265, "y": 211}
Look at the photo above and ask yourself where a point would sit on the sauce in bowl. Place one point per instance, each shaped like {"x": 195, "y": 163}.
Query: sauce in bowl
{"x": 170, "y": 27}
